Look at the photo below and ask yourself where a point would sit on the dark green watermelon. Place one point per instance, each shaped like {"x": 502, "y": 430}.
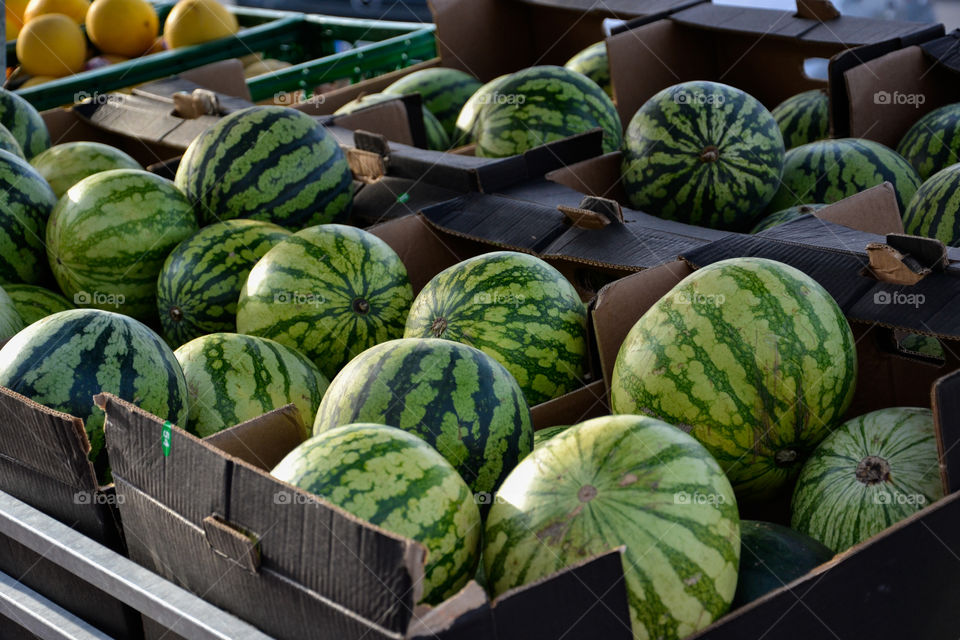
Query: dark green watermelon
{"x": 443, "y": 92}
{"x": 933, "y": 210}
{"x": 803, "y": 118}
{"x": 933, "y": 142}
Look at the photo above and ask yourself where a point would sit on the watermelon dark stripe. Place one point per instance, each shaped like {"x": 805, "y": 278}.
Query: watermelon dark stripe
{"x": 933, "y": 210}
{"x": 803, "y": 118}
{"x": 11, "y": 320}
{"x": 27, "y": 203}
{"x": 9, "y": 143}
{"x": 24, "y": 122}
{"x": 750, "y": 356}
{"x": 933, "y": 142}
{"x": 33, "y": 302}
{"x": 442, "y": 91}
{"x": 593, "y": 63}
{"x": 541, "y": 436}
{"x": 457, "y": 398}
{"x": 623, "y": 480}
{"x": 267, "y": 163}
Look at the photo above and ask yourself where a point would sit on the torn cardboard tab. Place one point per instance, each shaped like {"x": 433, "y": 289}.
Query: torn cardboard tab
{"x": 366, "y": 166}
{"x": 593, "y": 213}
{"x": 906, "y": 259}
{"x": 234, "y": 545}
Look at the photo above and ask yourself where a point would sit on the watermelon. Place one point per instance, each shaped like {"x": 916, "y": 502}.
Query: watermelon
{"x": 437, "y": 138}
{"x": 108, "y": 236}
{"x": 33, "y": 302}
{"x": 329, "y": 291}
{"x": 63, "y": 360}
{"x": 267, "y": 163}
{"x": 395, "y": 480}
{"x": 803, "y": 118}
{"x": 232, "y": 378}
{"x": 593, "y": 63}
{"x": 780, "y": 217}
{"x": 516, "y": 308}
{"x": 541, "y": 104}
{"x": 831, "y": 170}
{"x": 201, "y": 279}
{"x": 9, "y": 143}
{"x": 11, "y": 321}
{"x": 703, "y": 153}
{"x": 933, "y": 142}
{"x": 870, "y": 473}
{"x": 750, "y": 356}
{"x": 542, "y": 436}
{"x": 771, "y": 555}
{"x": 26, "y": 201}
{"x": 932, "y": 211}
{"x": 631, "y": 481}
{"x": 442, "y": 91}
{"x": 465, "y": 129}
{"x": 927, "y": 346}
{"x": 457, "y": 398}
{"x": 24, "y": 122}
{"x": 64, "y": 165}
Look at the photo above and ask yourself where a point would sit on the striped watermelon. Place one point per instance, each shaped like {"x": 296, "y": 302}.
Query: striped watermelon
{"x": 917, "y": 343}
{"x": 932, "y": 211}
{"x": 397, "y": 481}
{"x": 27, "y": 201}
{"x": 542, "y": 436}
{"x": 267, "y": 163}
{"x": 541, "y": 104}
{"x": 63, "y": 360}
{"x": 870, "y": 473}
{"x": 703, "y": 153}
{"x": 593, "y": 63}
{"x": 232, "y": 378}
{"x": 623, "y": 480}
{"x": 24, "y": 122}
{"x": 750, "y": 356}
{"x": 437, "y": 138}
{"x": 329, "y": 291}
{"x": 11, "y": 321}
{"x": 465, "y": 129}
{"x": 442, "y": 91}
{"x": 803, "y": 118}
{"x": 33, "y": 302}
{"x": 831, "y": 170}
{"x": 457, "y": 398}
{"x": 9, "y": 143}
{"x": 933, "y": 142}
{"x": 516, "y": 308}
{"x": 781, "y": 217}
{"x": 64, "y": 165}
{"x": 108, "y": 236}
{"x": 201, "y": 279}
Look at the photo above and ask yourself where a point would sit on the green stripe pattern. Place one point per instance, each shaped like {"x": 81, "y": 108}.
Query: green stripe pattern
{"x": 64, "y": 165}
{"x": 781, "y": 217}
{"x": 63, "y": 360}
{"x": 516, "y": 308}
{"x": 803, "y": 118}
{"x": 24, "y": 122}
{"x": 541, "y": 104}
{"x": 108, "y": 236}
{"x": 593, "y": 63}
{"x": 267, "y": 163}
{"x": 933, "y": 142}
{"x": 703, "y": 153}
{"x": 869, "y": 474}
{"x": 396, "y": 481}
{"x": 437, "y": 138}
{"x": 33, "y": 302}
{"x": 442, "y": 91}
{"x": 623, "y": 480}
{"x": 541, "y": 436}
{"x": 831, "y": 170}
{"x": 26, "y": 201}
{"x": 9, "y": 143}
{"x": 11, "y": 321}
{"x": 932, "y": 211}
{"x": 750, "y": 356}
{"x": 329, "y": 291}
{"x": 232, "y": 378}
{"x": 457, "y": 398}
{"x": 201, "y": 279}
{"x": 466, "y": 125}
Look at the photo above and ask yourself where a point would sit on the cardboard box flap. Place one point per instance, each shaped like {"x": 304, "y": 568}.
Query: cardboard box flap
{"x": 224, "y": 77}
{"x": 946, "y": 414}
{"x": 614, "y": 8}
{"x": 163, "y": 91}
{"x": 400, "y": 119}
{"x": 265, "y": 440}
{"x": 944, "y": 51}
{"x": 390, "y": 198}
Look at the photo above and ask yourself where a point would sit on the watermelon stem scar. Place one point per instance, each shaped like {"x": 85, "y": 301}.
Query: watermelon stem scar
{"x": 176, "y": 314}
{"x": 710, "y": 154}
{"x": 785, "y": 457}
{"x": 361, "y": 306}
{"x": 873, "y": 470}
{"x": 439, "y": 327}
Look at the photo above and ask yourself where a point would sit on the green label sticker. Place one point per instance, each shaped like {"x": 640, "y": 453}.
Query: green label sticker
{"x": 403, "y": 197}
{"x": 165, "y": 436}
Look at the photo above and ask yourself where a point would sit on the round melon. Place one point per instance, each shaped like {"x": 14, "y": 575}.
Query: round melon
{"x": 457, "y": 398}
{"x": 541, "y": 104}
{"x": 233, "y": 378}
{"x": 27, "y": 201}
{"x": 781, "y": 217}
{"x": 803, "y": 118}
{"x": 64, "y": 165}
{"x": 593, "y": 63}
{"x": 437, "y": 138}
{"x": 703, "y": 153}
{"x": 465, "y": 128}
{"x": 870, "y": 473}
{"x": 108, "y": 236}
{"x": 932, "y": 211}
{"x": 329, "y": 291}
{"x": 33, "y": 302}
{"x": 11, "y": 321}
{"x": 516, "y": 308}
{"x": 750, "y": 356}
{"x": 396, "y": 481}
{"x": 631, "y": 481}
{"x": 442, "y": 91}
{"x": 24, "y": 122}
{"x": 9, "y": 143}
{"x": 267, "y": 163}
{"x": 542, "y": 436}
{"x": 201, "y": 279}
{"x": 831, "y": 170}
{"x": 933, "y": 142}
{"x": 63, "y": 360}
